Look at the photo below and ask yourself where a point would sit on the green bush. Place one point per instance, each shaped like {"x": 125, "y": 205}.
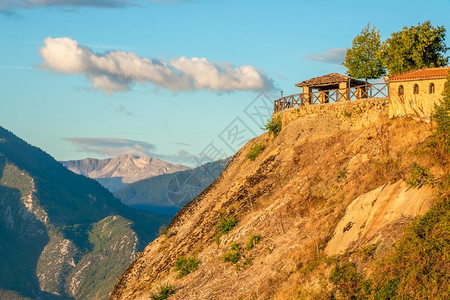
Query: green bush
{"x": 185, "y": 265}
{"x": 342, "y": 174}
{"x": 253, "y": 241}
{"x": 226, "y": 223}
{"x": 233, "y": 255}
{"x": 248, "y": 262}
{"x": 255, "y": 151}
{"x": 164, "y": 292}
{"x": 418, "y": 267}
{"x": 163, "y": 230}
{"x": 274, "y": 126}
{"x": 217, "y": 239}
{"x": 346, "y": 279}
{"x": 442, "y": 116}
{"x": 419, "y": 176}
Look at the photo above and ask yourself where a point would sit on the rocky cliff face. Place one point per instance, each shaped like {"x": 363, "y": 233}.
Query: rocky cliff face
{"x": 330, "y": 185}
{"x": 115, "y": 173}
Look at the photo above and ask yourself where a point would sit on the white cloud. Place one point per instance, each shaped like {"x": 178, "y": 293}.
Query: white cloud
{"x": 117, "y": 70}
{"x": 334, "y": 56}
{"x": 111, "y": 147}
{"x": 68, "y": 3}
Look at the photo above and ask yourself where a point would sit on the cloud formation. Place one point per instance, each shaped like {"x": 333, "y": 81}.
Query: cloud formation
{"x": 111, "y": 147}
{"x": 4, "y": 4}
{"x": 117, "y": 70}
{"x": 333, "y": 56}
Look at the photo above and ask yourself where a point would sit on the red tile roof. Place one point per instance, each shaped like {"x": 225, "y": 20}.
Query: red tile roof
{"x": 426, "y": 73}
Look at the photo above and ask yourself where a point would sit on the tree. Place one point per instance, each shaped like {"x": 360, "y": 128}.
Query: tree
{"x": 416, "y": 47}
{"x": 362, "y": 59}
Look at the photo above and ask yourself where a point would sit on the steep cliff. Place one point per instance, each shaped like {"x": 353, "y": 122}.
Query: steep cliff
{"x": 310, "y": 217}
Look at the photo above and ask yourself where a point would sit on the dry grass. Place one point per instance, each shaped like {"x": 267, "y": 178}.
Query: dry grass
{"x": 292, "y": 196}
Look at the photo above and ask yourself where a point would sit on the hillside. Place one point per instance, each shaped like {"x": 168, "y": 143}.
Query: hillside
{"x": 319, "y": 214}
{"x": 168, "y": 193}
{"x": 63, "y": 235}
{"x": 117, "y": 172}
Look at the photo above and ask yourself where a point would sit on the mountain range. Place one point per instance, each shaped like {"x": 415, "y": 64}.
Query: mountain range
{"x": 63, "y": 235}
{"x": 117, "y": 172}
{"x": 168, "y": 193}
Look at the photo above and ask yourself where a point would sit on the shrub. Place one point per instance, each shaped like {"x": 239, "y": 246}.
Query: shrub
{"x": 255, "y": 151}
{"x": 226, "y": 223}
{"x": 217, "y": 239}
{"x": 164, "y": 292}
{"x": 186, "y": 265}
{"x": 233, "y": 255}
{"x": 253, "y": 241}
{"x": 418, "y": 266}
{"x": 274, "y": 126}
{"x": 442, "y": 116}
{"x": 419, "y": 176}
{"x": 163, "y": 230}
{"x": 342, "y": 174}
{"x": 345, "y": 278}
{"x": 248, "y": 262}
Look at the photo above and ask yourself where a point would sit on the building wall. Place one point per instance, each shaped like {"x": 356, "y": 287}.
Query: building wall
{"x": 420, "y": 105}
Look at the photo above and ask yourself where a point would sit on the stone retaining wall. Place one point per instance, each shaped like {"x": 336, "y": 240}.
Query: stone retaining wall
{"x": 363, "y": 111}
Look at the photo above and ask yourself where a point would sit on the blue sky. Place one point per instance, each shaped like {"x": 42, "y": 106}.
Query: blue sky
{"x": 177, "y": 80}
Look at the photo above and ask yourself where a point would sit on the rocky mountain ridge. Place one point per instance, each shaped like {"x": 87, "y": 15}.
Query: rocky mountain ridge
{"x": 63, "y": 235}
{"x": 168, "y": 193}
{"x": 117, "y": 172}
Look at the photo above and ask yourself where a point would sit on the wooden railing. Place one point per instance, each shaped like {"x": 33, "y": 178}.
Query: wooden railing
{"x": 377, "y": 90}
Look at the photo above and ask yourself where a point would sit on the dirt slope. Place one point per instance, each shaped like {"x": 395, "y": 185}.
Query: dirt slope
{"x": 323, "y": 172}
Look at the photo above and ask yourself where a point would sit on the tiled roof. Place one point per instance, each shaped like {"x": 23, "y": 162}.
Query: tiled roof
{"x": 329, "y": 79}
{"x": 426, "y": 73}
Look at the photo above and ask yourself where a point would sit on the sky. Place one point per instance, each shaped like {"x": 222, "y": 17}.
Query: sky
{"x": 186, "y": 81}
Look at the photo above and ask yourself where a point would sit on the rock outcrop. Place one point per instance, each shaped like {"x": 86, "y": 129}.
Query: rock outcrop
{"x": 330, "y": 183}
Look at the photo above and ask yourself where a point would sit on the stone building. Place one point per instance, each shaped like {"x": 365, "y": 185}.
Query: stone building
{"x": 416, "y": 92}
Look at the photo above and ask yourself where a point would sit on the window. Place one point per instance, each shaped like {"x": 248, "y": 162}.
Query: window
{"x": 431, "y": 88}
{"x": 416, "y": 89}
{"x": 400, "y": 90}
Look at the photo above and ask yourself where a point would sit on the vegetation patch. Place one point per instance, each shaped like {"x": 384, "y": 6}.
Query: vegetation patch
{"x": 342, "y": 175}
{"x": 274, "y": 126}
{"x": 252, "y": 242}
{"x": 248, "y": 261}
{"x": 165, "y": 291}
{"x": 347, "y": 281}
{"x": 255, "y": 151}
{"x": 233, "y": 255}
{"x": 419, "y": 176}
{"x": 185, "y": 265}
{"x": 418, "y": 268}
{"x": 163, "y": 230}
{"x": 226, "y": 223}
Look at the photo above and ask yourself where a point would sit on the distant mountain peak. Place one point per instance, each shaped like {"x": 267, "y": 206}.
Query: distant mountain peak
{"x": 115, "y": 173}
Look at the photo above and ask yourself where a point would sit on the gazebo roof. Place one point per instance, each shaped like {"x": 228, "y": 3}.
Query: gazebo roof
{"x": 426, "y": 73}
{"x": 329, "y": 79}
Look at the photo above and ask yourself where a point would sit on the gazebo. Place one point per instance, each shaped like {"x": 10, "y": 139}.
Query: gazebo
{"x": 322, "y": 85}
